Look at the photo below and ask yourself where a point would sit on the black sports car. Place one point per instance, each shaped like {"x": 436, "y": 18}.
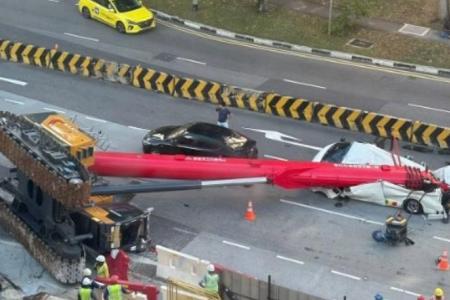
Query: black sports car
{"x": 202, "y": 139}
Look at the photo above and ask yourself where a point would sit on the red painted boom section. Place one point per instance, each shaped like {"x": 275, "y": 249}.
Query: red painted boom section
{"x": 286, "y": 174}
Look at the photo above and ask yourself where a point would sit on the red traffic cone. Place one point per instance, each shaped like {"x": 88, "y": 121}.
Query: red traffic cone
{"x": 442, "y": 261}
{"x": 250, "y": 214}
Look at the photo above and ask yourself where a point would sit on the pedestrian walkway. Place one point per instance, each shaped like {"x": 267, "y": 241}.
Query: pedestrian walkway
{"x": 425, "y": 33}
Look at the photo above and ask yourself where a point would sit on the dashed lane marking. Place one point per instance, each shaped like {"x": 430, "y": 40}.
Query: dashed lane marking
{"x": 137, "y": 128}
{"x": 236, "y": 245}
{"x": 404, "y": 291}
{"x": 299, "y": 262}
{"x": 429, "y": 108}
{"x": 14, "y": 101}
{"x": 95, "y": 119}
{"x": 332, "y": 212}
{"x": 55, "y": 110}
{"x": 345, "y": 275}
{"x": 441, "y": 239}
{"x": 191, "y": 61}
{"x": 275, "y": 157}
{"x": 305, "y": 84}
{"x": 184, "y": 231}
{"x": 13, "y": 81}
{"x": 82, "y": 37}
{"x": 54, "y": 1}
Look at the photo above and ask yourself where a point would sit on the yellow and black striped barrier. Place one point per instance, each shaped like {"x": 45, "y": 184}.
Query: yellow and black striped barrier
{"x": 386, "y": 126}
{"x": 285, "y": 106}
{"x": 22, "y": 53}
{"x": 153, "y": 80}
{"x": 340, "y": 117}
{"x": 217, "y": 93}
{"x": 430, "y": 135}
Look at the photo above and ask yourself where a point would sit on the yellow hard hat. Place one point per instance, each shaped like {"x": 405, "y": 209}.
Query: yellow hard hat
{"x": 438, "y": 292}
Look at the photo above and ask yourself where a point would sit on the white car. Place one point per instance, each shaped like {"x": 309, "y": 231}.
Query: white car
{"x": 380, "y": 192}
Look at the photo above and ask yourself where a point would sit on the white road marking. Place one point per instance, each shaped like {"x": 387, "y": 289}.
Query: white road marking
{"x": 54, "y": 1}
{"x": 429, "y": 108}
{"x": 275, "y": 157}
{"x": 345, "y": 275}
{"x": 441, "y": 239}
{"x": 290, "y": 260}
{"x": 95, "y": 119}
{"x": 137, "y": 128}
{"x": 305, "y": 84}
{"x": 14, "y": 101}
{"x": 184, "y": 231}
{"x": 82, "y": 37}
{"x": 404, "y": 291}
{"x": 332, "y": 212}
{"x": 192, "y": 61}
{"x": 236, "y": 245}
{"x": 55, "y": 110}
{"x": 283, "y": 138}
{"x": 13, "y": 81}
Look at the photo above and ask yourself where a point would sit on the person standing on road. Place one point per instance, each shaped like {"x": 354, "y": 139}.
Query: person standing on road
{"x": 211, "y": 280}
{"x": 223, "y": 115}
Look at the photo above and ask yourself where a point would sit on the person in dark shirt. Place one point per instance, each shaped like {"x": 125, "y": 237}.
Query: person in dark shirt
{"x": 223, "y": 115}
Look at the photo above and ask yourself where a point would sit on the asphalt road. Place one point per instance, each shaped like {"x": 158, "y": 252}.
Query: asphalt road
{"x": 303, "y": 240}
{"x": 44, "y": 22}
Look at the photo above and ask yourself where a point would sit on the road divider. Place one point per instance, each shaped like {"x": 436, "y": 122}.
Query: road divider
{"x": 385, "y": 126}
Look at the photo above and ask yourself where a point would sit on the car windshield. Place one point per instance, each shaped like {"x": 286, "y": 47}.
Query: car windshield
{"x": 126, "y": 5}
{"x": 337, "y": 152}
{"x": 176, "y": 132}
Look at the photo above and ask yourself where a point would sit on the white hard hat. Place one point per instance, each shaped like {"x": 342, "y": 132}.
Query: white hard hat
{"x": 87, "y": 272}
{"x": 86, "y": 281}
{"x": 100, "y": 258}
{"x": 210, "y": 268}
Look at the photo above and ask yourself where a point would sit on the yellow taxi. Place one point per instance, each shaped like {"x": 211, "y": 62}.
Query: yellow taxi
{"x": 127, "y": 16}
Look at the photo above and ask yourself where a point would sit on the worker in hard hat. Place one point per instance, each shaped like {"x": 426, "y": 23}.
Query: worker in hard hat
{"x": 85, "y": 292}
{"x": 438, "y": 294}
{"x": 211, "y": 280}
{"x": 115, "y": 291}
{"x": 87, "y": 273}
{"x": 101, "y": 267}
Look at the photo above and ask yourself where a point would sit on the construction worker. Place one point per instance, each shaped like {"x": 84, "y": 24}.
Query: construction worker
{"x": 115, "y": 291}
{"x": 211, "y": 280}
{"x": 85, "y": 291}
{"x": 438, "y": 294}
{"x": 87, "y": 273}
{"x": 101, "y": 267}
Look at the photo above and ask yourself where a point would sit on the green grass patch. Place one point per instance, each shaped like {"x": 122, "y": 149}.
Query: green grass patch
{"x": 283, "y": 24}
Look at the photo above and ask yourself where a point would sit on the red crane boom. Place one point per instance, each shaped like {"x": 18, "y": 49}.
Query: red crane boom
{"x": 286, "y": 174}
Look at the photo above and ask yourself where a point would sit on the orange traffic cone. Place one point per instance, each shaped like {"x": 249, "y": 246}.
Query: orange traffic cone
{"x": 250, "y": 214}
{"x": 442, "y": 261}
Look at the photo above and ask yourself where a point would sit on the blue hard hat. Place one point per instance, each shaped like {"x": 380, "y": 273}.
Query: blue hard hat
{"x": 378, "y": 297}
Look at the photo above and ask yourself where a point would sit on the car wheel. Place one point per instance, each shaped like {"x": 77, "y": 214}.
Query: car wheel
{"x": 412, "y": 206}
{"x": 120, "y": 27}
{"x": 86, "y": 13}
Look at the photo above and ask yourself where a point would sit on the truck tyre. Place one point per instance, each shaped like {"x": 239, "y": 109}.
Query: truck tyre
{"x": 86, "y": 13}
{"x": 412, "y": 206}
